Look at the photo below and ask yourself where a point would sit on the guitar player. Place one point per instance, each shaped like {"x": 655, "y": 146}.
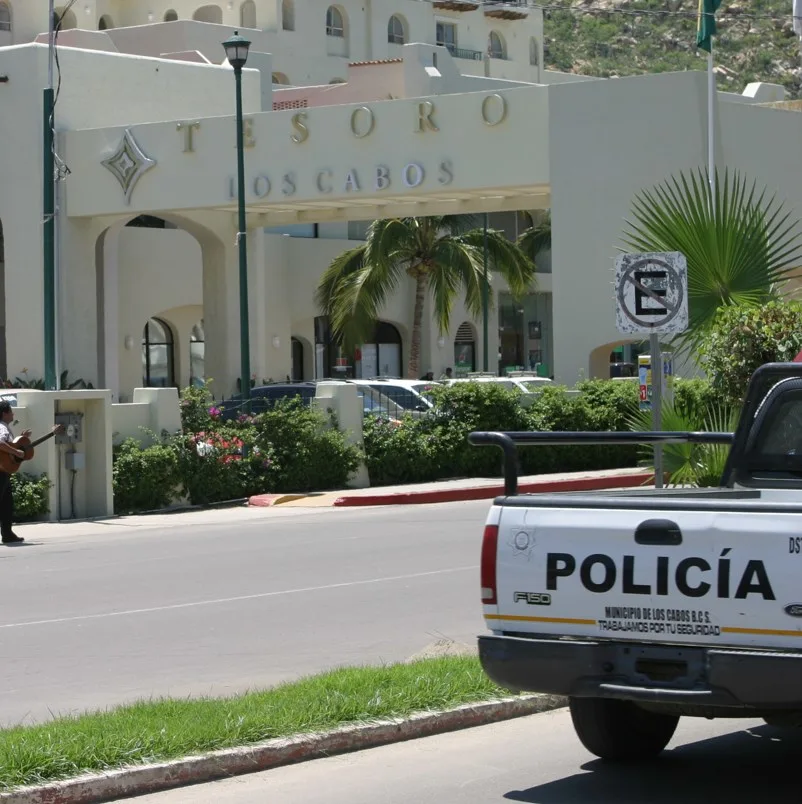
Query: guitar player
{"x": 6, "y": 493}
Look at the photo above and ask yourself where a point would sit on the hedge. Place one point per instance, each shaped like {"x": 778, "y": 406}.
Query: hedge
{"x": 295, "y": 448}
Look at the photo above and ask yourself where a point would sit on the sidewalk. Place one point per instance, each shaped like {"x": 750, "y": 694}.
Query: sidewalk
{"x": 459, "y": 490}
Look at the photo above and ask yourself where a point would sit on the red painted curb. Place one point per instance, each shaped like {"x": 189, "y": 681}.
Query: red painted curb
{"x": 489, "y": 492}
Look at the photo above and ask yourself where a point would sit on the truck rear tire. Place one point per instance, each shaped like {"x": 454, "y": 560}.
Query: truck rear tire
{"x": 620, "y": 730}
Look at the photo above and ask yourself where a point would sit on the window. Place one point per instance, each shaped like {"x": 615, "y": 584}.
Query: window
{"x": 446, "y": 35}
{"x": 534, "y": 55}
{"x": 247, "y": 14}
{"x": 335, "y": 25}
{"x": 495, "y": 46}
{"x": 197, "y": 355}
{"x": 170, "y": 16}
{"x": 5, "y": 17}
{"x": 64, "y": 20}
{"x": 395, "y": 31}
{"x": 288, "y": 15}
{"x": 209, "y": 14}
{"x": 157, "y": 355}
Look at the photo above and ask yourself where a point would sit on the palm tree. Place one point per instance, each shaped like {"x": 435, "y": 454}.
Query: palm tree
{"x": 442, "y": 255}
{"x": 739, "y": 244}
{"x": 537, "y": 237}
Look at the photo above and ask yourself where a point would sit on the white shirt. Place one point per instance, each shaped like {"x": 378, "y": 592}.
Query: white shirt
{"x": 5, "y": 433}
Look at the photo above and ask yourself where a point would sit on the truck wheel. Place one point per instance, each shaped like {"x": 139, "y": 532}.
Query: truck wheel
{"x": 620, "y": 730}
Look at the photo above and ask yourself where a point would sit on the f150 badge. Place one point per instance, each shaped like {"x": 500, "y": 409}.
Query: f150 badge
{"x": 533, "y": 598}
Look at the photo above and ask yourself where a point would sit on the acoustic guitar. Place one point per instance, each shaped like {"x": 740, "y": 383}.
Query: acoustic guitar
{"x": 11, "y": 463}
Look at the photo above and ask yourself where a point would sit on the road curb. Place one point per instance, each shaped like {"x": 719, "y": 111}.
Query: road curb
{"x": 269, "y": 500}
{"x": 489, "y": 492}
{"x": 140, "y": 780}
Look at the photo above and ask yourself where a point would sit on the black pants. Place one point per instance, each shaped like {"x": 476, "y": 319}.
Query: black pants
{"x": 6, "y": 505}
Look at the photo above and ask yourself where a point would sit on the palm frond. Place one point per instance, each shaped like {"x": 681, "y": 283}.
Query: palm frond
{"x": 738, "y": 242}
{"x": 505, "y": 258}
{"x": 536, "y": 238}
{"x": 455, "y": 265}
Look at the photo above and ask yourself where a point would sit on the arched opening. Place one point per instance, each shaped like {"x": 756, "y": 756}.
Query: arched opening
{"x": 288, "y": 15}
{"x": 336, "y": 32}
{"x": 64, "y": 20}
{"x": 158, "y": 355}
{"x": 280, "y": 78}
{"x": 297, "y": 360}
{"x": 496, "y": 47}
{"x": 181, "y": 262}
{"x": 247, "y": 14}
{"x": 5, "y": 16}
{"x": 464, "y": 349}
{"x": 209, "y": 14}
{"x": 381, "y": 357}
{"x": 197, "y": 355}
{"x": 617, "y": 359}
{"x": 170, "y": 16}
{"x": 105, "y": 23}
{"x": 396, "y": 31}
{"x": 335, "y": 22}
{"x": 534, "y": 52}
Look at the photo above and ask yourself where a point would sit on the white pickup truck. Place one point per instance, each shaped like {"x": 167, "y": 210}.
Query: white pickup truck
{"x": 645, "y": 605}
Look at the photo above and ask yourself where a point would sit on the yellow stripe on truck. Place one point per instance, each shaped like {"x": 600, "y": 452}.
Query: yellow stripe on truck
{"x": 525, "y": 618}
{"x": 760, "y": 631}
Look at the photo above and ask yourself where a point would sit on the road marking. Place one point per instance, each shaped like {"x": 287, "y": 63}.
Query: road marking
{"x": 220, "y": 600}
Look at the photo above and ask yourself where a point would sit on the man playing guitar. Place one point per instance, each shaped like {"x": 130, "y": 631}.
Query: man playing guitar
{"x": 6, "y": 493}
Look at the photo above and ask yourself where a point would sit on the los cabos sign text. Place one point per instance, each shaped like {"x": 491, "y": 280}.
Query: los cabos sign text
{"x": 362, "y": 121}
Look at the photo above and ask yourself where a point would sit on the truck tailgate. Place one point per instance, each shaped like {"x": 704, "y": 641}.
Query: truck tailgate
{"x": 717, "y": 578}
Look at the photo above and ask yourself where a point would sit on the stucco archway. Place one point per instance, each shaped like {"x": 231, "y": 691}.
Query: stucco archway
{"x": 125, "y": 303}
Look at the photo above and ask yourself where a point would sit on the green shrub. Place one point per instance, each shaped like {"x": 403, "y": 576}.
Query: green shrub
{"x": 411, "y": 451}
{"x": 463, "y": 408}
{"x": 601, "y": 405}
{"x": 302, "y": 448}
{"x": 31, "y": 496}
{"x": 695, "y": 398}
{"x": 742, "y": 338}
{"x": 143, "y": 479}
{"x": 221, "y": 463}
{"x": 196, "y": 404}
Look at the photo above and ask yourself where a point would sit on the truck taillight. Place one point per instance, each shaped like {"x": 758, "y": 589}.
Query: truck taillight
{"x": 488, "y": 568}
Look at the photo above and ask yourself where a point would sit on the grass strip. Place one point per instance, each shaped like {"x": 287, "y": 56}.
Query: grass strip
{"x": 164, "y": 729}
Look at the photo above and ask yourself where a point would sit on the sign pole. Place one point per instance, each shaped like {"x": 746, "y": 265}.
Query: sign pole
{"x": 657, "y": 404}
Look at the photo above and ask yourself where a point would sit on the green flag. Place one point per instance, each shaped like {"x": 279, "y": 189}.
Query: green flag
{"x": 706, "y": 23}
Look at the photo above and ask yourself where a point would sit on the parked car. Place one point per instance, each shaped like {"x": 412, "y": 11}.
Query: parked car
{"x": 263, "y": 397}
{"x": 411, "y": 395}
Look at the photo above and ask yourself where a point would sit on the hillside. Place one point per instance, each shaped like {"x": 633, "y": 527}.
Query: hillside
{"x": 625, "y": 37}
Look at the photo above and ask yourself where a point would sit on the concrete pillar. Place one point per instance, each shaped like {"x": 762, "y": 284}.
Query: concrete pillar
{"x": 78, "y": 299}
{"x": 221, "y": 313}
{"x": 342, "y": 399}
{"x": 109, "y": 296}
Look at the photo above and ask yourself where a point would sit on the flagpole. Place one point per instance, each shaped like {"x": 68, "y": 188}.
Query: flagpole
{"x": 711, "y": 98}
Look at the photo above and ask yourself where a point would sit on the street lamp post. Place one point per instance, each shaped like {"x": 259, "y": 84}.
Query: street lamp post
{"x": 485, "y": 301}
{"x": 236, "y": 49}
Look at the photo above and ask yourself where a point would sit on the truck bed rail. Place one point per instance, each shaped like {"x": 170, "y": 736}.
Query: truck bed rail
{"x": 509, "y": 442}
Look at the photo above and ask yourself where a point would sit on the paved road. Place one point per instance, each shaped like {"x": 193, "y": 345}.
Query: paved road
{"x": 220, "y": 602}
{"x": 534, "y": 760}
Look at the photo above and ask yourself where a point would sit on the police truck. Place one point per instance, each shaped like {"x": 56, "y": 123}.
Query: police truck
{"x": 646, "y": 605}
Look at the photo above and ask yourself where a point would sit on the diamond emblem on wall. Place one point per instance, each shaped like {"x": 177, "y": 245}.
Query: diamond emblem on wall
{"x": 128, "y": 164}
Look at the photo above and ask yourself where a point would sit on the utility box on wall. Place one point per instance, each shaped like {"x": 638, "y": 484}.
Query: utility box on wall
{"x": 78, "y": 461}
